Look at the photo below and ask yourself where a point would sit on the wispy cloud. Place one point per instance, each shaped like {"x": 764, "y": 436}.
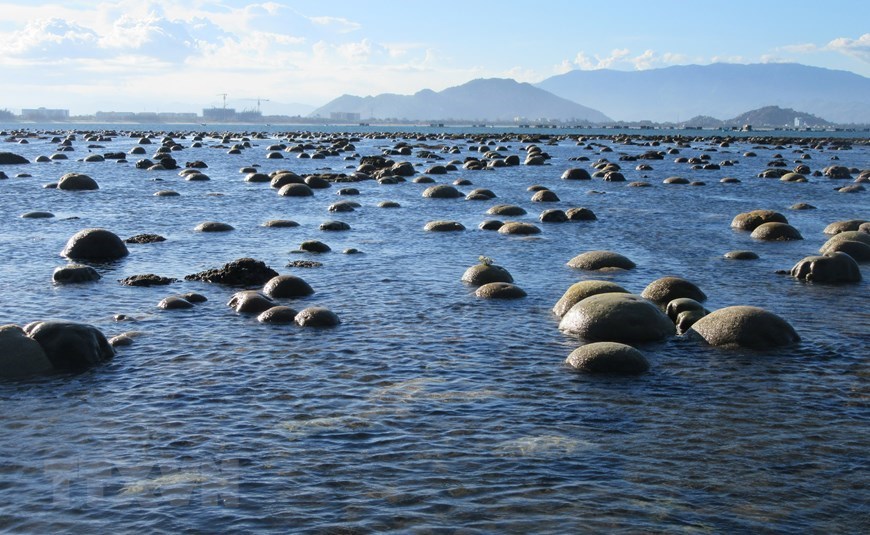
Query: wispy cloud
{"x": 340, "y": 24}
{"x": 648, "y": 59}
{"x": 857, "y": 48}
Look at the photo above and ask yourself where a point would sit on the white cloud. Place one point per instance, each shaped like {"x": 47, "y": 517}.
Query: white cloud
{"x": 857, "y": 48}
{"x": 340, "y": 24}
{"x": 50, "y": 40}
{"x": 648, "y": 59}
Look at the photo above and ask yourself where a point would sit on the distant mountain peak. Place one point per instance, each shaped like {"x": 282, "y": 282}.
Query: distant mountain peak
{"x": 481, "y": 99}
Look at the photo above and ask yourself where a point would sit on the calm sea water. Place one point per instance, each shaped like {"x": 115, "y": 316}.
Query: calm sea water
{"x": 427, "y": 409}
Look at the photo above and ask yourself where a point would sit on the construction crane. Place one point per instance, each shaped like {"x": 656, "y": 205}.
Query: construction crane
{"x": 259, "y": 100}
{"x": 224, "y": 95}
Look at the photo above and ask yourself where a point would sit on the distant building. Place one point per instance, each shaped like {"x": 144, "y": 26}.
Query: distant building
{"x": 344, "y": 116}
{"x": 248, "y": 116}
{"x": 115, "y": 116}
{"x": 169, "y": 117}
{"x": 219, "y": 114}
{"x": 44, "y": 114}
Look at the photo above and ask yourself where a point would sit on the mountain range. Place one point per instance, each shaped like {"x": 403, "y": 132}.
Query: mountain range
{"x": 722, "y": 90}
{"x": 672, "y": 94}
{"x": 482, "y": 100}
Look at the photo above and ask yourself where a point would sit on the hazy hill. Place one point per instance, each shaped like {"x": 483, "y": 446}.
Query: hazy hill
{"x": 673, "y": 94}
{"x": 768, "y": 116}
{"x": 776, "y": 116}
{"x": 493, "y": 99}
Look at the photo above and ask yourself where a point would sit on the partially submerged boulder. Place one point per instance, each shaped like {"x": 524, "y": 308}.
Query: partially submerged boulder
{"x": 596, "y": 260}
{"x": 617, "y": 317}
{"x": 745, "y": 327}
{"x": 70, "y": 346}
{"x": 750, "y": 220}
{"x": 664, "y": 290}
{"x": 95, "y": 244}
{"x": 608, "y": 358}
{"x": 583, "y": 289}
{"x": 20, "y": 355}
{"x": 832, "y": 267}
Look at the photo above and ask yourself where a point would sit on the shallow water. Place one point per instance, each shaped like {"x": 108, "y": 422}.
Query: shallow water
{"x": 428, "y": 409}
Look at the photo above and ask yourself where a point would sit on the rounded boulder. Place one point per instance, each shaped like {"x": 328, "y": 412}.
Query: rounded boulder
{"x": 598, "y": 260}
{"x": 317, "y": 317}
{"x": 70, "y": 346}
{"x": 745, "y": 327}
{"x": 287, "y": 286}
{"x": 664, "y": 290}
{"x": 77, "y": 182}
{"x": 500, "y": 290}
{"x": 831, "y": 268}
{"x": 95, "y": 244}
{"x": 617, "y": 317}
{"x": 20, "y": 355}
{"x": 481, "y": 274}
{"x": 608, "y": 358}
{"x": 581, "y": 290}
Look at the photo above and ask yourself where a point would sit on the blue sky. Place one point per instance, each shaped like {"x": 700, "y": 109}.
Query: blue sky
{"x": 162, "y": 55}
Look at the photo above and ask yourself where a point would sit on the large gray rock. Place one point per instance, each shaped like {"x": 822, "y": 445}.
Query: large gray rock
{"x": 745, "y": 327}
{"x": 95, "y": 244}
{"x": 609, "y": 358}
{"x": 831, "y": 267}
{"x": 20, "y": 356}
{"x": 583, "y": 289}
{"x": 70, "y": 346}
{"x": 617, "y": 317}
